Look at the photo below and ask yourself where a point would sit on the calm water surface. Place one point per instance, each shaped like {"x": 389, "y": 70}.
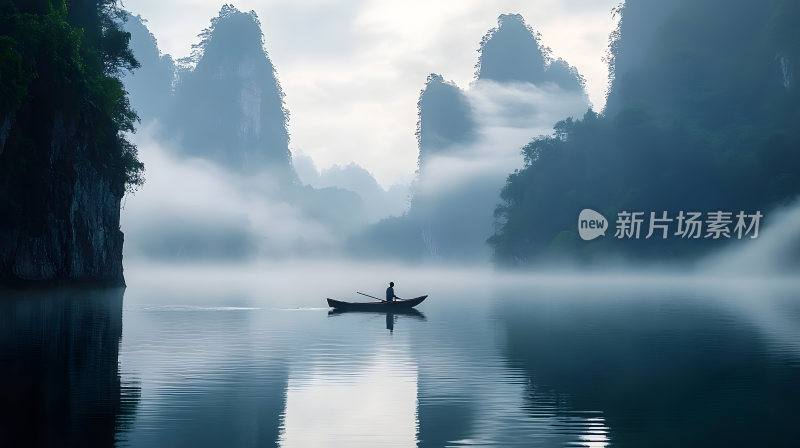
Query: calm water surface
{"x": 190, "y": 360}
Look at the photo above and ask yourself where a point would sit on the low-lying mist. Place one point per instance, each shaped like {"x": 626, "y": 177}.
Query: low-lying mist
{"x": 776, "y": 251}
{"x": 769, "y": 261}
{"x": 192, "y": 209}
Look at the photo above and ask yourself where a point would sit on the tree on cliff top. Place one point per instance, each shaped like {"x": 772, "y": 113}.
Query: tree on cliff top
{"x": 61, "y": 64}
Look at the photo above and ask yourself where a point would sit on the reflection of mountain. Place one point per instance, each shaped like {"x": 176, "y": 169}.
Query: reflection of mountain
{"x": 465, "y": 136}
{"x": 210, "y": 378}
{"x": 664, "y": 372}
{"x": 59, "y": 355}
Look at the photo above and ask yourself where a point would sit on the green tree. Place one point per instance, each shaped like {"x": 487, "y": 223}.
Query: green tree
{"x": 61, "y": 64}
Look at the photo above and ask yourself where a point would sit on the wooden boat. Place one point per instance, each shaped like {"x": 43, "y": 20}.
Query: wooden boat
{"x": 381, "y": 306}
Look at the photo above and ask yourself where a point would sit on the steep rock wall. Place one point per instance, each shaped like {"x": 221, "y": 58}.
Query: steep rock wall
{"x": 61, "y": 222}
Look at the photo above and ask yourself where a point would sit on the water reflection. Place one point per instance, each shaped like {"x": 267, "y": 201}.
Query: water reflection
{"x": 59, "y": 378}
{"x": 681, "y": 367}
{"x": 390, "y": 316}
{"x": 210, "y": 376}
{"x": 535, "y": 364}
{"x": 469, "y": 394}
{"x": 368, "y": 402}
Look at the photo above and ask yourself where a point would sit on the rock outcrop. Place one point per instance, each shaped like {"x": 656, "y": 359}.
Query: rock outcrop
{"x": 65, "y": 229}
{"x": 445, "y": 118}
{"x": 229, "y": 107}
{"x": 512, "y": 52}
{"x": 65, "y": 163}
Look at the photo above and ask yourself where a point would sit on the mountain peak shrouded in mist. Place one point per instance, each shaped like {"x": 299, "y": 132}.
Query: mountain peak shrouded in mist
{"x": 221, "y": 112}
{"x": 445, "y": 117}
{"x": 229, "y": 107}
{"x": 512, "y": 52}
{"x": 468, "y": 140}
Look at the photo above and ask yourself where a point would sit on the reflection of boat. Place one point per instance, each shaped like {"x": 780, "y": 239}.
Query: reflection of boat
{"x": 410, "y": 312}
{"x": 381, "y": 306}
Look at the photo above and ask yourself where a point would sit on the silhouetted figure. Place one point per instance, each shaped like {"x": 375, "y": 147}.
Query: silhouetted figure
{"x": 390, "y": 293}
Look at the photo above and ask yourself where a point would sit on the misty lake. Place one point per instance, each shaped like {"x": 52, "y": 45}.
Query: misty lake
{"x": 247, "y": 357}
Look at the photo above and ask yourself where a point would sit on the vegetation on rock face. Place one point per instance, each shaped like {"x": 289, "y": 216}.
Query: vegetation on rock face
{"x": 709, "y": 121}
{"x": 59, "y": 73}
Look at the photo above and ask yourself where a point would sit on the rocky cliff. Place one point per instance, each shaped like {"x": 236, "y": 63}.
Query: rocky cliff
{"x": 64, "y": 161}
{"x": 65, "y": 227}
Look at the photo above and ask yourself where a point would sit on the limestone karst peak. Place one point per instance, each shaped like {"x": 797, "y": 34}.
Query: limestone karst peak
{"x": 513, "y": 52}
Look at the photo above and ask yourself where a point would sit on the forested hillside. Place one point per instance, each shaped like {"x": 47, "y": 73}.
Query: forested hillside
{"x": 705, "y": 118}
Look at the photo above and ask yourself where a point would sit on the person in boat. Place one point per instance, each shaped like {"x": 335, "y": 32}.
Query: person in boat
{"x": 390, "y": 293}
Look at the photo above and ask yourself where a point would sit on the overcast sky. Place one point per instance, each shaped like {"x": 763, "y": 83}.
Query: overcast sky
{"x": 352, "y": 70}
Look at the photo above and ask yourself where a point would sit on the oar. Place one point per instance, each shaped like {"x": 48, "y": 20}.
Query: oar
{"x": 369, "y": 296}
